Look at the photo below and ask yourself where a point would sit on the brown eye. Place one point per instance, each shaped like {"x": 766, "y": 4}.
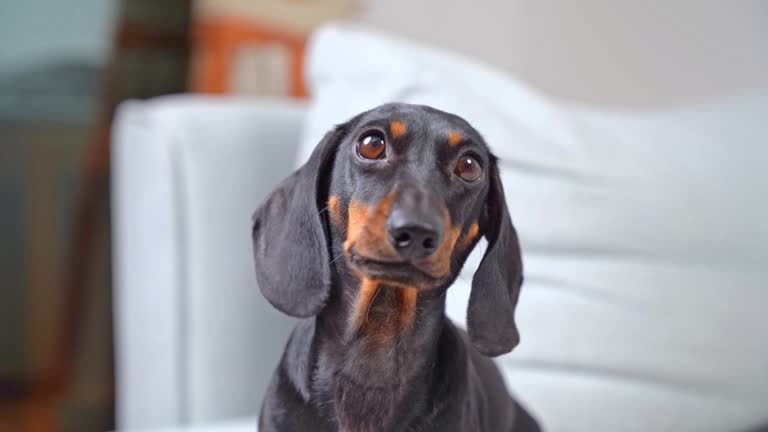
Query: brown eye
{"x": 469, "y": 169}
{"x": 371, "y": 145}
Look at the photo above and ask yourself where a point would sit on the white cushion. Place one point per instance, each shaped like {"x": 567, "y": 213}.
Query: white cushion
{"x": 644, "y": 236}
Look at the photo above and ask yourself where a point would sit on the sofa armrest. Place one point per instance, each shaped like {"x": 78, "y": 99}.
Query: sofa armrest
{"x": 195, "y": 340}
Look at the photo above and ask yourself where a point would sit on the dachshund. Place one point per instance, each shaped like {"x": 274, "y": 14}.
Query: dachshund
{"x": 362, "y": 243}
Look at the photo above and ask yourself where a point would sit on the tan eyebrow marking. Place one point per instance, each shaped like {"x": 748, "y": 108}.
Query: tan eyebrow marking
{"x": 454, "y": 137}
{"x": 397, "y": 128}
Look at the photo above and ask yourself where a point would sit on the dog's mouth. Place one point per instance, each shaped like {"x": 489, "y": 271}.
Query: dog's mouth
{"x": 395, "y": 272}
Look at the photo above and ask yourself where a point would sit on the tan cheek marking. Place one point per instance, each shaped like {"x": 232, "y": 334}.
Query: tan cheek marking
{"x": 333, "y": 208}
{"x": 357, "y": 214}
{"x": 470, "y": 235}
{"x": 454, "y": 137}
{"x": 382, "y": 209}
{"x": 440, "y": 262}
{"x": 372, "y": 238}
{"x": 397, "y": 128}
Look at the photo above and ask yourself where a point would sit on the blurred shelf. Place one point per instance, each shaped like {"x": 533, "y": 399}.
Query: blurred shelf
{"x": 61, "y": 93}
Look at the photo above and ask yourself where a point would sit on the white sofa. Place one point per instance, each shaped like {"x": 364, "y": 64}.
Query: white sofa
{"x": 196, "y": 341}
{"x": 644, "y": 240}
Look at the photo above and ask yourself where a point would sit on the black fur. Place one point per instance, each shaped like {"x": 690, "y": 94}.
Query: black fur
{"x": 425, "y": 375}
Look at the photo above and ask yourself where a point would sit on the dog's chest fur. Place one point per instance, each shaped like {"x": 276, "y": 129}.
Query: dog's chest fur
{"x": 376, "y": 376}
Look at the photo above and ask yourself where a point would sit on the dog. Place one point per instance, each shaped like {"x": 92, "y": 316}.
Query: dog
{"x": 362, "y": 242}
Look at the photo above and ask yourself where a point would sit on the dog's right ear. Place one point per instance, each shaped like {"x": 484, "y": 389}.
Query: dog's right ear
{"x": 289, "y": 240}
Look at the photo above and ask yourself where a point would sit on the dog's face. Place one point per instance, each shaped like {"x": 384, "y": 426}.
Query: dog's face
{"x": 407, "y": 191}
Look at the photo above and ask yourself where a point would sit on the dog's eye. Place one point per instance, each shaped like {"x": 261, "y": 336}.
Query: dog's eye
{"x": 469, "y": 169}
{"x": 371, "y": 145}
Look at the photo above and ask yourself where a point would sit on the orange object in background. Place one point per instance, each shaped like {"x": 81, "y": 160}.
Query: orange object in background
{"x": 223, "y": 29}
{"x": 216, "y": 43}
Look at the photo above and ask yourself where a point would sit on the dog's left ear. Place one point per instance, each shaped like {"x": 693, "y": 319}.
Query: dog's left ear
{"x": 289, "y": 239}
{"x": 496, "y": 283}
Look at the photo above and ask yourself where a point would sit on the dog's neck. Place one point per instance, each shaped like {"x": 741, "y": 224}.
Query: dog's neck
{"x": 378, "y": 345}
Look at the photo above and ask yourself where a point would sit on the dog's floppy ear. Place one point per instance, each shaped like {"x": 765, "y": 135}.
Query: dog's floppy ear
{"x": 496, "y": 283}
{"x": 289, "y": 239}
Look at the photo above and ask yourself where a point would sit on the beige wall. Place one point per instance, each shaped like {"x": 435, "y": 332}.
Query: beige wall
{"x": 626, "y": 53}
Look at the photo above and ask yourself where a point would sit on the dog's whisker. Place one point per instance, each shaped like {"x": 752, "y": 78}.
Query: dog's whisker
{"x": 336, "y": 258}
{"x": 368, "y": 311}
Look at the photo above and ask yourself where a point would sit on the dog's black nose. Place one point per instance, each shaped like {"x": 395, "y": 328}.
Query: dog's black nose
{"x": 412, "y": 235}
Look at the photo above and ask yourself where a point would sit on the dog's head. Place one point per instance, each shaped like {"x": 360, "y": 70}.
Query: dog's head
{"x": 408, "y": 190}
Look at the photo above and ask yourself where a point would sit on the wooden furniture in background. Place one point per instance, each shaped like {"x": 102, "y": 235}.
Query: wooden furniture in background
{"x": 221, "y": 29}
{"x": 216, "y": 45}
{"x": 145, "y": 29}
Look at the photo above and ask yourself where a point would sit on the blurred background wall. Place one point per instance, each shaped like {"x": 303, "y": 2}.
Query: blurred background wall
{"x": 632, "y": 54}
{"x": 64, "y": 66}
{"x": 637, "y": 53}
{"x": 52, "y": 55}
{"x": 27, "y": 27}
